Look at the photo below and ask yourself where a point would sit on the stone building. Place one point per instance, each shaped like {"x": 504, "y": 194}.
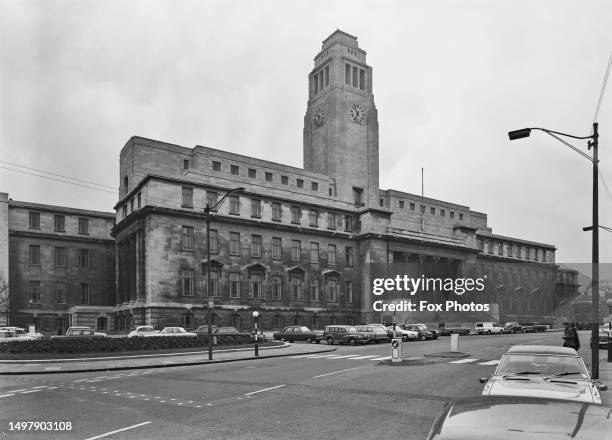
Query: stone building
{"x": 298, "y": 244}
{"x": 61, "y": 265}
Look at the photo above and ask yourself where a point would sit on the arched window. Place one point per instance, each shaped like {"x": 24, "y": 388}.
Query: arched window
{"x": 102, "y": 323}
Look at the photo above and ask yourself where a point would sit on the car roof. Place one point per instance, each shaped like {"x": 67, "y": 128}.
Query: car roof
{"x": 543, "y": 350}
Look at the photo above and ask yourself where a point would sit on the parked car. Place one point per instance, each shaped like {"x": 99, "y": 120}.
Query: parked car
{"x": 374, "y": 333}
{"x": 520, "y": 418}
{"x": 203, "y": 329}
{"x": 260, "y": 336}
{"x": 78, "y": 332}
{"x": 142, "y": 331}
{"x": 488, "y": 328}
{"x": 450, "y": 329}
{"x": 226, "y": 331}
{"x": 543, "y": 371}
{"x": 19, "y": 334}
{"x": 527, "y": 327}
{"x": 343, "y": 334}
{"x": 404, "y": 333}
{"x": 422, "y": 332}
{"x": 539, "y": 326}
{"x": 604, "y": 337}
{"x": 175, "y": 331}
{"x": 434, "y": 332}
{"x": 513, "y": 327}
{"x": 294, "y": 333}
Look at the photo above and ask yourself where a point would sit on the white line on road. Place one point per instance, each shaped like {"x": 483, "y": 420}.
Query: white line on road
{"x": 28, "y": 392}
{"x": 363, "y": 357}
{"x": 6, "y": 395}
{"x": 381, "y": 358}
{"x": 495, "y": 362}
{"x": 117, "y": 430}
{"x": 462, "y": 361}
{"x": 19, "y": 390}
{"x": 335, "y": 372}
{"x": 342, "y": 357}
{"x": 265, "y": 389}
{"x": 42, "y": 386}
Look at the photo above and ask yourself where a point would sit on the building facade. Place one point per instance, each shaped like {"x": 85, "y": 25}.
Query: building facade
{"x": 299, "y": 245}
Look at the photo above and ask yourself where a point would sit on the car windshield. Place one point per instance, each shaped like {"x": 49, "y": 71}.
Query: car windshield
{"x": 351, "y": 329}
{"x": 549, "y": 365}
{"x": 146, "y": 329}
{"x": 305, "y": 329}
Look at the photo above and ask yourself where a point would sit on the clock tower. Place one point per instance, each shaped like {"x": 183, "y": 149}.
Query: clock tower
{"x": 341, "y": 122}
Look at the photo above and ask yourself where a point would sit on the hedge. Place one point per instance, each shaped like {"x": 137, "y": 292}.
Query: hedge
{"x": 110, "y": 345}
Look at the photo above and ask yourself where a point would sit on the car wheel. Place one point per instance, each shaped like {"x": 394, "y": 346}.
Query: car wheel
{"x": 351, "y": 342}
{"x": 330, "y": 341}
{"x": 405, "y": 338}
{"x": 318, "y": 341}
{"x": 422, "y": 338}
{"x": 501, "y": 332}
{"x": 282, "y": 339}
{"x": 308, "y": 340}
{"x": 376, "y": 341}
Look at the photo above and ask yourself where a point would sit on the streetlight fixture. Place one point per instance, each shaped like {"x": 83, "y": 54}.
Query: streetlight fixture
{"x": 526, "y": 132}
{"x": 209, "y": 215}
{"x": 255, "y": 317}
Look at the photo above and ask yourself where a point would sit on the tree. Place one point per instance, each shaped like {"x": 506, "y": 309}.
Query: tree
{"x": 4, "y": 296}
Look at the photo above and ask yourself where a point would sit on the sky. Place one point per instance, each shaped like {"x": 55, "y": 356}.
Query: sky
{"x": 450, "y": 79}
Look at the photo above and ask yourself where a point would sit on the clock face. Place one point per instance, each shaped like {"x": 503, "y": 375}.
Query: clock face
{"x": 357, "y": 114}
{"x": 319, "y": 118}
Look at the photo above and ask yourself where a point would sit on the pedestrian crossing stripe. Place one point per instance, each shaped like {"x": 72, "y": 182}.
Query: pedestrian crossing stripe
{"x": 495, "y": 362}
{"x": 462, "y": 361}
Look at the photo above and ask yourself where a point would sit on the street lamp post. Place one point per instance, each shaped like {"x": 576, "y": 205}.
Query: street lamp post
{"x": 208, "y": 217}
{"x": 256, "y": 316}
{"x": 525, "y": 132}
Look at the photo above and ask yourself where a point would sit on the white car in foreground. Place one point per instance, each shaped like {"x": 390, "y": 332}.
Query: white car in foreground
{"x": 543, "y": 371}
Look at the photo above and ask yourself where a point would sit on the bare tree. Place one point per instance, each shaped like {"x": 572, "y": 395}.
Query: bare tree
{"x": 4, "y": 296}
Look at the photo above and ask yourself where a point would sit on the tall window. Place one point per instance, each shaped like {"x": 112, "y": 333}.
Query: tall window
{"x": 314, "y": 290}
{"x": 348, "y": 292}
{"x": 362, "y": 84}
{"x": 348, "y": 256}
{"x": 214, "y": 282}
{"x": 139, "y": 200}
{"x": 83, "y": 226}
{"x": 214, "y": 241}
{"x": 358, "y": 196}
{"x": 234, "y": 207}
{"x": 252, "y": 173}
{"x": 187, "y": 197}
{"x": 187, "y": 238}
{"x": 277, "y": 246}
{"x": 277, "y": 322}
{"x": 216, "y": 166}
{"x": 234, "y": 169}
{"x": 60, "y": 223}
{"x": 60, "y": 257}
{"x": 268, "y": 177}
{"x": 299, "y": 183}
{"x": 348, "y": 223}
{"x": 84, "y": 258}
{"x": 296, "y": 250}
{"x": 34, "y": 218}
{"x": 34, "y": 255}
{"x": 35, "y": 292}
{"x": 331, "y": 254}
{"x": 187, "y": 284}
{"x": 60, "y": 293}
{"x": 314, "y": 252}
{"x": 347, "y": 74}
{"x": 295, "y": 214}
{"x": 313, "y": 215}
{"x": 234, "y": 243}
{"x": 211, "y": 198}
{"x": 84, "y": 296}
{"x": 332, "y": 290}
{"x": 276, "y": 287}
{"x": 285, "y": 180}
{"x": 297, "y": 287}
{"x": 256, "y": 246}
{"x": 355, "y": 77}
{"x": 510, "y": 250}
{"x": 256, "y": 285}
{"x": 234, "y": 279}
{"x": 500, "y": 249}
{"x": 331, "y": 220}
{"x": 276, "y": 211}
{"x": 255, "y": 208}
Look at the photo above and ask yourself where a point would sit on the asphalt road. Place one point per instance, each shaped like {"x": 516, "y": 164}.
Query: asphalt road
{"x": 346, "y": 394}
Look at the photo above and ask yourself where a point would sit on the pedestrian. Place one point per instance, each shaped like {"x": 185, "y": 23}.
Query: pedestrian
{"x": 570, "y": 336}
{"x": 575, "y": 336}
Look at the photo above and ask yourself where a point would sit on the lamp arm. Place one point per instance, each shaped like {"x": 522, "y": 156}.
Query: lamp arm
{"x": 569, "y": 145}
{"x": 215, "y": 208}
{"x": 562, "y": 134}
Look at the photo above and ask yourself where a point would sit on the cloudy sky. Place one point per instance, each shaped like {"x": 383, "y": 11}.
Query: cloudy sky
{"x": 451, "y": 78}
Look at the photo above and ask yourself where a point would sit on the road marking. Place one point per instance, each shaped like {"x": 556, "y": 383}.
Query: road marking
{"x": 363, "y": 357}
{"x": 81, "y": 380}
{"x": 463, "y": 361}
{"x": 381, "y": 358}
{"x": 495, "y": 362}
{"x": 265, "y": 389}
{"x": 28, "y": 392}
{"x": 343, "y": 357}
{"x": 19, "y": 390}
{"x": 6, "y": 395}
{"x": 117, "y": 430}
{"x": 335, "y": 372}
{"x": 299, "y": 357}
{"x": 42, "y": 386}
{"x": 53, "y": 368}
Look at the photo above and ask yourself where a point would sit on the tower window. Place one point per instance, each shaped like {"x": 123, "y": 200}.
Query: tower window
{"x": 355, "y": 77}
{"x": 252, "y": 173}
{"x": 347, "y": 74}
{"x": 316, "y": 83}
{"x": 285, "y": 180}
{"x": 268, "y": 177}
{"x": 358, "y": 196}
{"x": 216, "y": 166}
{"x": 299, "y": 183}
{"x": 234, "y": 169}
{"x": 314, "y": 186}
{"x": 326, "y": 76}
{"x": 401, "y": 204}
{"x": 186, "y": 164}
{"x": 362, "y": 79}
{"x": 320, "y": 80}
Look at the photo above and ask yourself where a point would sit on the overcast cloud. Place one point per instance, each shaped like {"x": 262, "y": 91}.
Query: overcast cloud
{"x": 451, "y": 78}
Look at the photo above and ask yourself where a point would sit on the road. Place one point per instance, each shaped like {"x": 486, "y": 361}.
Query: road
{"x": 339, "y": 395}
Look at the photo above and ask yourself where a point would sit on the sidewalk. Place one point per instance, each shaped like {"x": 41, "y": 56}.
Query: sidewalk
{"x": 605, "y": 377}
{"x": 22, "y": 367}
